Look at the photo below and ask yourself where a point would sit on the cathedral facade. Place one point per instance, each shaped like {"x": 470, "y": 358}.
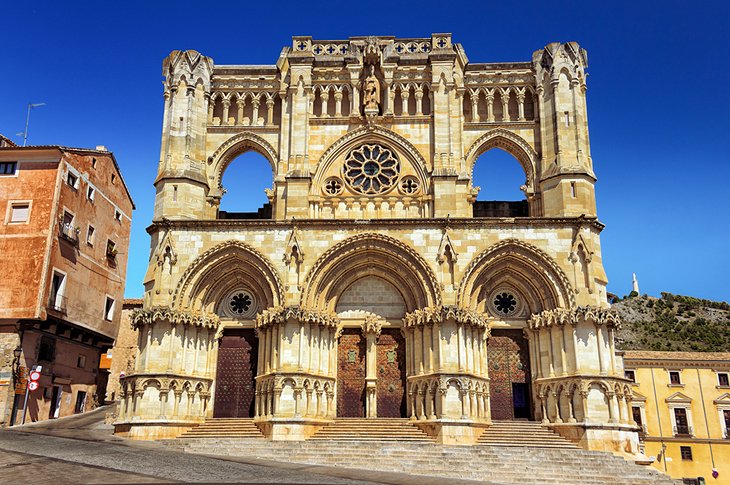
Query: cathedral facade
{"x": 374, "y": 283}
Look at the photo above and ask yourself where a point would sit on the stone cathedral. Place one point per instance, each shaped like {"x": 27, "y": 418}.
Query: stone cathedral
{"x": 374, "y": 283}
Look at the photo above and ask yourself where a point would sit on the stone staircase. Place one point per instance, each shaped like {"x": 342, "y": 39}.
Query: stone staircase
{"x": 523, "y": 433}
{"x": 225, "y": 428}
{"x": 525, "y": 453}
{"x": 380, "y": 429}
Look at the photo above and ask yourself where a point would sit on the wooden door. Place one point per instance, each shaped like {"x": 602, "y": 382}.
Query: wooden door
{"x": 509, "y": 374}
{"x": 391, "y": 372}
{"x": 234, "y": 381}
{"x": 351, "y": 374}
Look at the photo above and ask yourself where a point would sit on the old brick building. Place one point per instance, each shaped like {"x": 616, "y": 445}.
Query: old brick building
{"x": 63, "y": 256}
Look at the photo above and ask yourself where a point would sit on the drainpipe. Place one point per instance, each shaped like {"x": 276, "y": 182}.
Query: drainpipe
{"x": 707, "y": 426}
{"x": 659, "y": 420}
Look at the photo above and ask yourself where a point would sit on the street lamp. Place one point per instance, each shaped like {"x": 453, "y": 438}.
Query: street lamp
{"x": 27, "y": 119}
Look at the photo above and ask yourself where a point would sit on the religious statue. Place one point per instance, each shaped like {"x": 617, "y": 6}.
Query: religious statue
{"x": 371, "y": 91}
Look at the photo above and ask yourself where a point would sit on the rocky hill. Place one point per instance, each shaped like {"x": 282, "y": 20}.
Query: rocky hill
{"x": 673, "y": 322}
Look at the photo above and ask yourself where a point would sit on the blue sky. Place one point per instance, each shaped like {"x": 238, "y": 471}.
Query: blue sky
{"x": 658, "y": 105}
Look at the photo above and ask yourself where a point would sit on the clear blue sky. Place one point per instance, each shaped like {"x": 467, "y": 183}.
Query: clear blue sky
{"x": 657, "y": 99}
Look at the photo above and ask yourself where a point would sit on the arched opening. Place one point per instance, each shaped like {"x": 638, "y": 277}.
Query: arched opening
{"x": 244, "y": 184}
{"x": 500, "y": 178}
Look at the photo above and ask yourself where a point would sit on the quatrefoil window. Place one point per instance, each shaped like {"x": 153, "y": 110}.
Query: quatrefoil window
{"x": 333, "y": 186}
{"x": 505, "y": 303}
{"x": 409, "y": 185}
{"x": 371, "y": 169}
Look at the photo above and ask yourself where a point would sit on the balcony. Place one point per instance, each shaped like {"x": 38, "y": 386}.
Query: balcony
{"x": 68, "y": 232}
{"x": 57, "y": 303}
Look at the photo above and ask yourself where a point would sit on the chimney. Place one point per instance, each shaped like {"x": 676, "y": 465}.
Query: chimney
{"x": 101, "y": 148}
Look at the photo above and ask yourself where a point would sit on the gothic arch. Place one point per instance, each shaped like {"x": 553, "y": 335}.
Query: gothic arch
{"x": 370, "y": 134}
{"x": 222, "y": 269}
{"x": 534, "y": 274}
{"x": 370, "y": 255}
{"x": 513, "y": 144}
{"x": 230, "y": 149}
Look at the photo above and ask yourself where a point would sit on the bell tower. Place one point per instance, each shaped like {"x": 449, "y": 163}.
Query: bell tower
{"x": 567, "y": 179}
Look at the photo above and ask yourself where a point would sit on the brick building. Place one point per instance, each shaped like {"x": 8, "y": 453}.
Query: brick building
{"x": 66, "y": 218}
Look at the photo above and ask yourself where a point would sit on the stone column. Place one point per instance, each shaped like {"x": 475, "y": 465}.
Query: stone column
{"x": 269, "y": 111}
{"x": 474, "y": 107}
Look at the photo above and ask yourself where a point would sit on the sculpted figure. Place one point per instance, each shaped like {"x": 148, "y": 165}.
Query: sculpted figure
{"x": 371, "y": 90}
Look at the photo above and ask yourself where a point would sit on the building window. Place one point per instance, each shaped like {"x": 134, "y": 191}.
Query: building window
{"x": 80, "y": 402}
{"x": 630, "y": 375}
{"x": 90, "y": 235}
{"x": 90, "y": 193}
{"x": 114, "y": 178}
{"x": 681, "y": 424}
{"x": 72, "y": 181}
{"x": 19, "y": 212}
{"x": 726, "y": 420}
{"x": 686, "y": 452}
{"x": 8, "y": 168}
{"x": 56, "y": 300}
{"x": 111, "y": 249}
{"x": 81, "y": 361}
{"x": 109, "y": 309}
{"x": 47, "y": 349}
{"x": 674, "y": 378}
{"x": 722, "y": 379}
{"x": 636, "y": 414}
{"x": 93, "y": 162}
{"x": 117, "y": 216}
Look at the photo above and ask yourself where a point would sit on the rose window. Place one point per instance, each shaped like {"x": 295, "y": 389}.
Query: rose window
{"x": 409, "y": 185}
{"x": 371, "y": 169}
{"x": 504, "y": 303}
{"x": 333, "y": 186}
{"x": 240, "y": 303}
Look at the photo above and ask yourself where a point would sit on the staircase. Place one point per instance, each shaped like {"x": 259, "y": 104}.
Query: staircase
{"x": 523, "y": 433}
{"x": 508, "y": 453}
{"x": 380, "y": 429}
{"x": 225, "y": 428}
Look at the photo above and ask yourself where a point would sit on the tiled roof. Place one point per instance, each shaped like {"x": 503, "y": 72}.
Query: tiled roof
{"x": 664, "y": 355}
{"x": 5, "y": 141}
{"x": 132, "y": 302}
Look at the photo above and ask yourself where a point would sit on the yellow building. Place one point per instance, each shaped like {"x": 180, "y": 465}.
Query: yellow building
{"x": 681, "y": 400}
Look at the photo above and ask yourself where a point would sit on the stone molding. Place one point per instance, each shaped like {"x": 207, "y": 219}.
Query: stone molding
{"x": 279, "y": 314}
{"x": 439, "y": 313}
{"x": 563, "y": 316}
{"x": 150, "y": 316}
{"x": 512, "y": 143}
{"x": 227, "y": 151}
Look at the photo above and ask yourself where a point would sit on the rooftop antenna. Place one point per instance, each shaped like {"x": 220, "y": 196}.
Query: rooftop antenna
{"x": 27, "y": 119}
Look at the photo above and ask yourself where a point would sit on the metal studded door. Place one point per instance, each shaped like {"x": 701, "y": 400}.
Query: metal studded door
{"x": 391, "y": 371}
{"x": 351, "y": 374}
{"x": 236, "y": 369}
{"x": 509, "y": 374}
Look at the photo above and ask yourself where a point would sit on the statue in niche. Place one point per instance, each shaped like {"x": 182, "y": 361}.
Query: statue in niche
{"x": 371, "y": 91}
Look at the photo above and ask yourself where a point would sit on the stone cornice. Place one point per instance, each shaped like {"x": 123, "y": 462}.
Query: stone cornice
{"x": 573, "y": 316}
{"x": 438, "y": 314}
{"x": 280, "y": 314}
{"x": 149, "y": 316}
{"x": 435, "y": 223}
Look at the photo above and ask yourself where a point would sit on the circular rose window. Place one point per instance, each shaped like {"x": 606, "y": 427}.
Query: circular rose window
{"x": 239, "y": 304}
{"x": 371, "y": 169}
{"x": 504, "y": 303}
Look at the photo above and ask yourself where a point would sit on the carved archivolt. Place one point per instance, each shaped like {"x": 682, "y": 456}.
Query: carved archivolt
{"x": 233, "y": 147}
{"x": 150, "y": 316}
{"x": 371, "y": 134}
{"x": 222, "y": 263}
{"x": 370, "y": 255}
{"x": 511, "y": 143}
{"x": 564, "y": 316}
{"x": 526, "y": 267}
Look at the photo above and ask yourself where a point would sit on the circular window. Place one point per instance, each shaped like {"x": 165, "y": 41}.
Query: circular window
{"x": 371, "y": 169}
{"x": 333, "y": 186}
{"x": 240, "y": 304}
{"x": 409, "y": 185}
{"x": 505, "y": 303}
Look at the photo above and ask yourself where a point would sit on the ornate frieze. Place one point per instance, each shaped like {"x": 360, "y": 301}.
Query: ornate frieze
{"x": 441, "y": 313}
{"x": 573, "y": 316}
{"x": 176, "y": 317}
{"x": 280, "y": 314}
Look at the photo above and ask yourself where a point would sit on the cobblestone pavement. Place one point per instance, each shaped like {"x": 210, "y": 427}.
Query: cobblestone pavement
{"x": 83, "y": 450}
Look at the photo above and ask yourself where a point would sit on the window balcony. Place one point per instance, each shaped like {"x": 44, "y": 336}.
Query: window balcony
{"x": 57, "y": 303}
{"x": 69, "y": 232}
